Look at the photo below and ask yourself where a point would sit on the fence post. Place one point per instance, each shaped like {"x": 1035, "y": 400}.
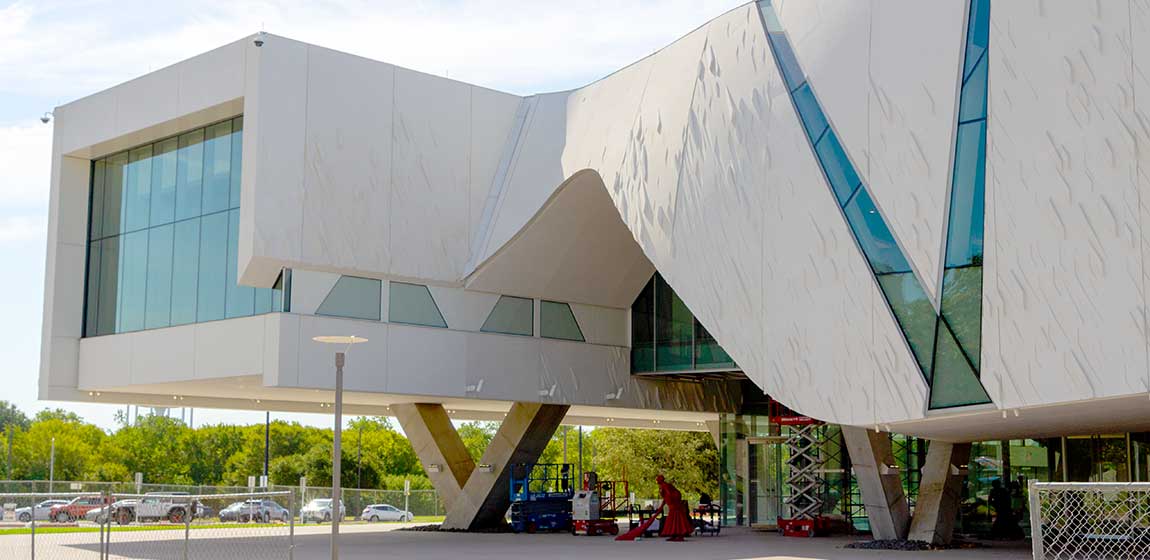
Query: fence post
{"x": 291, "y": 526}
{"x": 1035, "y": 521}
{"x": 34, "y": 528}
{"x": 187, "y": 526}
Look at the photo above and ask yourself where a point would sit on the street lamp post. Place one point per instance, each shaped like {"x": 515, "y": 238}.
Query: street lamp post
{"x": 337, "y": 448}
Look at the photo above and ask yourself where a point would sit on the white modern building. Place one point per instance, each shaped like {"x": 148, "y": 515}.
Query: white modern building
{"x": 922, "y": 218}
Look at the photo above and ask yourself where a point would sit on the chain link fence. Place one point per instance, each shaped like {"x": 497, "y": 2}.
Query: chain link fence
{"x": 1090, "y": 520}
{"x": 156, "y": 525}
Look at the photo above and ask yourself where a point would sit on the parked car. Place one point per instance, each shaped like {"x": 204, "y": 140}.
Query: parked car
{"x": 385, "y": 512}
{"x": 75, "y": 509}
{"x": 319, "y": 510}
{"x": 43, "y": 511}
{"x": 156, "y": 506}
{"x": 264, "y": 511}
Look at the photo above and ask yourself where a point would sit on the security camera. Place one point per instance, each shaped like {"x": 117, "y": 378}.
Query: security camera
{"x": 259, "y": 40}
{"x": 46, "y": 117}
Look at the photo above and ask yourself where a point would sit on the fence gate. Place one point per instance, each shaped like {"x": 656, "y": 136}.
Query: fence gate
{"x": 1090, "y": 520}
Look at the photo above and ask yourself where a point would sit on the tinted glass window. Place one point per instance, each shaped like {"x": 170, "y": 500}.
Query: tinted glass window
{"x": 163, "y": 251}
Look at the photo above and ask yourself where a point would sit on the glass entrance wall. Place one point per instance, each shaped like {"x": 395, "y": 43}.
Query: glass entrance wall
{"x": 667, "y": 338}
{"x": 163, "y": 233}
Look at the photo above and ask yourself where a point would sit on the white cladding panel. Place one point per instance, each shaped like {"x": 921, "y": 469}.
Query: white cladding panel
{"x": 346, "y": 201}
{"x": 1065, "y": 291}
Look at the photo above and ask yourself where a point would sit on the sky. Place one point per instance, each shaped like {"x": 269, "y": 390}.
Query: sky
{"x": 53, "y": 52}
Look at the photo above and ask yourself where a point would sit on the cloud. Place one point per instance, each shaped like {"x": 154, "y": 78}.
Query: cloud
{"x": 19, "y": 229}
{"x": 25, "y": 165}
{"x": 66, "y": 51}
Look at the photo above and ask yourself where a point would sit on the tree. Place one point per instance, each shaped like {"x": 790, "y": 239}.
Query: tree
{"x": 12, "y": 416}
{"x": 476, "y": 437}
{"x": 689, "y": 460}
{"x": 156, "y": 446}
{"x": 76, "y": 445}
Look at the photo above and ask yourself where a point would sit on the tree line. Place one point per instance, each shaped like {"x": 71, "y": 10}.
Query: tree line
{"x": 375, "y": 454}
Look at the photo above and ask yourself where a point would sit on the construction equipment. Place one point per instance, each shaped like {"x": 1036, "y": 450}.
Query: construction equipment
{"x": 596, "y": 507}
{"x": 804, "y": 481}
{"x": 541, "y": 497}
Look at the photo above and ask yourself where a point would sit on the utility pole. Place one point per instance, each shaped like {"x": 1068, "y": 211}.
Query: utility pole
{"x": 8, "y": 472}
{"x": 580, "y": 454}
{"x": 267, "y": 441}
{"x": 52, "y": 466}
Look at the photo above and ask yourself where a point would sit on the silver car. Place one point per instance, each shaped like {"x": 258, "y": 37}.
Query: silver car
{"x": 319, "y": 510}
{"x": 385, "y": 512}
{"x": 43, "y": 511}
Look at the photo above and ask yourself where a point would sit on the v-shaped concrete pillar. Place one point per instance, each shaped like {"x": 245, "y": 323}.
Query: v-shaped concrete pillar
{"x": 438, "y": 446}
{"x": 521, "y": 438}
{"x": 477, "y": 498}
{"x": 879, "y": 482}
{"x": 940, "y": 492}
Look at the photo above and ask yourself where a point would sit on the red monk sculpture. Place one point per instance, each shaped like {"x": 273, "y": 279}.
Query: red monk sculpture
{"x": 677, "y": 524}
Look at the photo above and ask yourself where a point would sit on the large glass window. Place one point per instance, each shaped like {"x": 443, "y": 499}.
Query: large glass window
{"x": 643, "y": 330}
{"x": 162, "y": 250}
{"x": 666, "y": 337}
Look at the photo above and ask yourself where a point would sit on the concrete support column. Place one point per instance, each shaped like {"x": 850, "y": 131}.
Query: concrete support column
{"x": 438, "y": 446}
{"x": 939, "y": 493}
{"x": 879, "y": 483}
{"x": 521, "y": 438}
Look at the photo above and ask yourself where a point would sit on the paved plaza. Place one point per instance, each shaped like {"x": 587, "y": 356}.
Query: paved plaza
{"x": 361, "y": 542}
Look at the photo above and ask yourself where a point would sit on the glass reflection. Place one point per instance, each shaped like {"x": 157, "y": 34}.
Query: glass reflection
{"x": 162, "y": 250}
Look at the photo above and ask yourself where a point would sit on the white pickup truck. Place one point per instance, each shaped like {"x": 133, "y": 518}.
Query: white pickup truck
{"x": 154, "y": 506}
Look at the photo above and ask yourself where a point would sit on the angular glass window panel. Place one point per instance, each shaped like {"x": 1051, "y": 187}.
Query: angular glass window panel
{"x": 788, "y": 63}
{"x": 109, "y": 285}
{"x": 511, "y": 315}
{"x": 92, "y": 290}
{"x": 278, "y": 290}
{"x": 217, "y": 167}
{"x": 915, "y": 315}
{"x": 840, "y": 173}
{"x": 954, "y": 383}
{"x": 133, "y": 281}
{"x": 237, "y": 156}
{"x": 213, "y": 267}
{"x": 164, "y": 159}
{"x": 412, "y": 304}
{"x": 977, "y": 33}
{"x": 158, "y": 310}
{"x": 643, "y": 329}
{"x": 962, "y": 309}
{"x": 874, "y": 236}
{"x": 708, "y": 353}
{"x": 973, "y": 103}
{"x": 96, "y": 203}
{"x": 241, "y": 300}
{"x": 674, "y": 330}
{"x": 138, "y": 193}
{"x": 185, "y": 271}
{"x": 967, "y": 197}
{"x": 557, "y": 321}
{"x": 114, "y": 193}
{"x": 811, "y": 113}
{"x": 189, "y": 174}
{"x": 354, "y": 298}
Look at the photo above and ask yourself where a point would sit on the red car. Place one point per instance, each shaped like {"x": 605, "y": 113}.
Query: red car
{"x": 76, "y": 508}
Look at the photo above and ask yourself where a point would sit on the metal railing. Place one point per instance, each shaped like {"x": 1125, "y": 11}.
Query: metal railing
{"x": 106, "y": 525}
{"x": 1090, "y": 520}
